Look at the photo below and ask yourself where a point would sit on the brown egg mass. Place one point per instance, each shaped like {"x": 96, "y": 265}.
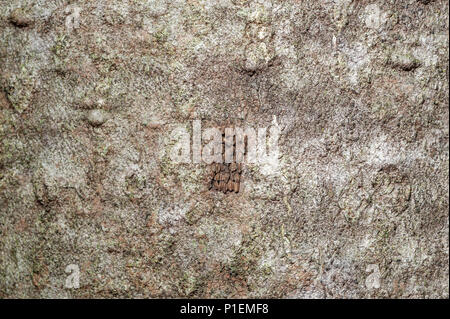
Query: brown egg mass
{"x": 225, "y": 177}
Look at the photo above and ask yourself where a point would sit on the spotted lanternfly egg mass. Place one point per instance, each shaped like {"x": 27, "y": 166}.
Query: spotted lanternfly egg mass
{"x": 225, "y": 177}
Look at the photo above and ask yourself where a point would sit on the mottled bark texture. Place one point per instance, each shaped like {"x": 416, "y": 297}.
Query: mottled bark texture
{"x": 90, "y": 91}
